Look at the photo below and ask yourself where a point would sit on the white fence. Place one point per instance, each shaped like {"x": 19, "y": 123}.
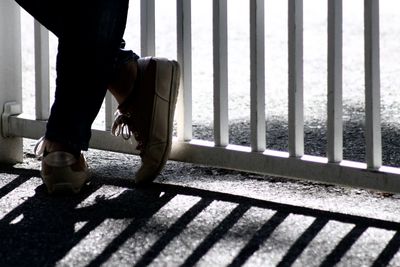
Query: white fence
{"x": 256, "y": 158}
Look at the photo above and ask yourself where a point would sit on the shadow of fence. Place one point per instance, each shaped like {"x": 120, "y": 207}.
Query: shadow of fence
{"x": 46, "y": 231}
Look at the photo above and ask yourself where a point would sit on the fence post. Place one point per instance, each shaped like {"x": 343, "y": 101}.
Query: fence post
{"x": 373, "y": 135}
{"x": 295, "y": 58}
{"x": 220, "y": 61}
{"x": 10, "y": 75}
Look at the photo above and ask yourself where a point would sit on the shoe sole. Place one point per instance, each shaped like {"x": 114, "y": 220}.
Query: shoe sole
{"x": 165, "y": 68}
{"x": 62, "y": 179}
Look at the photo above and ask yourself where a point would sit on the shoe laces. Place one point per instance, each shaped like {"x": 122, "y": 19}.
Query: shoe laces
{"x": 124, "y": 126}
{"x": 39, "y": 148}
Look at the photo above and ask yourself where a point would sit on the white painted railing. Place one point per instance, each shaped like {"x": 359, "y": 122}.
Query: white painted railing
{"x": 255, "y": 158}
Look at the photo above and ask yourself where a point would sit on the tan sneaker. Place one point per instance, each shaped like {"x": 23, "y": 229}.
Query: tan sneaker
{"x": 61, "y": 171}
{"x": 148, "y": 114}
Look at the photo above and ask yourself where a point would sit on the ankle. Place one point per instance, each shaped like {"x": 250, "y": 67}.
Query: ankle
{"x": 124, "y": 82}
{"x": 51, "y": 146}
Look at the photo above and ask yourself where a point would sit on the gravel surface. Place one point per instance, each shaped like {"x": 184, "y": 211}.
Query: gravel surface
{"x": 192, "y": 215}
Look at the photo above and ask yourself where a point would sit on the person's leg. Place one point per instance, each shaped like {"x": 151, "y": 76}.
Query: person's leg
{"x": 88, "y": 46}
{"x": 90, "y": 34}
{"x": 146, "y": 89}
{"x": 47, "y": 12}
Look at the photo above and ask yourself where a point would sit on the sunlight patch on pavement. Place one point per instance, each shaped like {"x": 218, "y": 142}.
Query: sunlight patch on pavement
{"x": 276, "y": 245}
{"x": 375, "y": 240}
{"x": 95, "y": 242}
{"x": 152, "y": 230}
{"x": 183, "y": 245}
{"x": 323, "y": 243}
{"x": 230, "y": 245}
{"x": 17, "y": 219}
{"x": 18, "y": 196}
{"x": 102, "y": 193}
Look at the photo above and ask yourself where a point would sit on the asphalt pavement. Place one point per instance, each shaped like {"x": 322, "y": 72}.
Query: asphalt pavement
{"x": 191, "y": 216}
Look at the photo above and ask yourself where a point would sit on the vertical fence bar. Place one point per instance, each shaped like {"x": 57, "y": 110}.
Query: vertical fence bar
{"x": 257, "y": 74}
{"x": 147, "y": 28}
{"x": 220, "y": 61}
{"x": 295, "y": 44}
{"x": 184, "y": 43}
{"x": 111, "y": 107}
{"x": 335, "y": 66}
{"x": 10, "y": 75}
{"x": 372, "y": 85}
{"x": 42, "y": 72}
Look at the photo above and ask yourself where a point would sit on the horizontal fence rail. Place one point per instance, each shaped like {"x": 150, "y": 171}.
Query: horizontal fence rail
{"x": 256, "y": 158}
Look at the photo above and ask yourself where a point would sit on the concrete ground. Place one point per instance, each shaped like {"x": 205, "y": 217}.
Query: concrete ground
{"x": 192, "y": 216}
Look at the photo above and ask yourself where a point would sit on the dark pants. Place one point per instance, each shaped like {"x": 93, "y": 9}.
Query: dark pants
{"x": 90, "y": 34}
